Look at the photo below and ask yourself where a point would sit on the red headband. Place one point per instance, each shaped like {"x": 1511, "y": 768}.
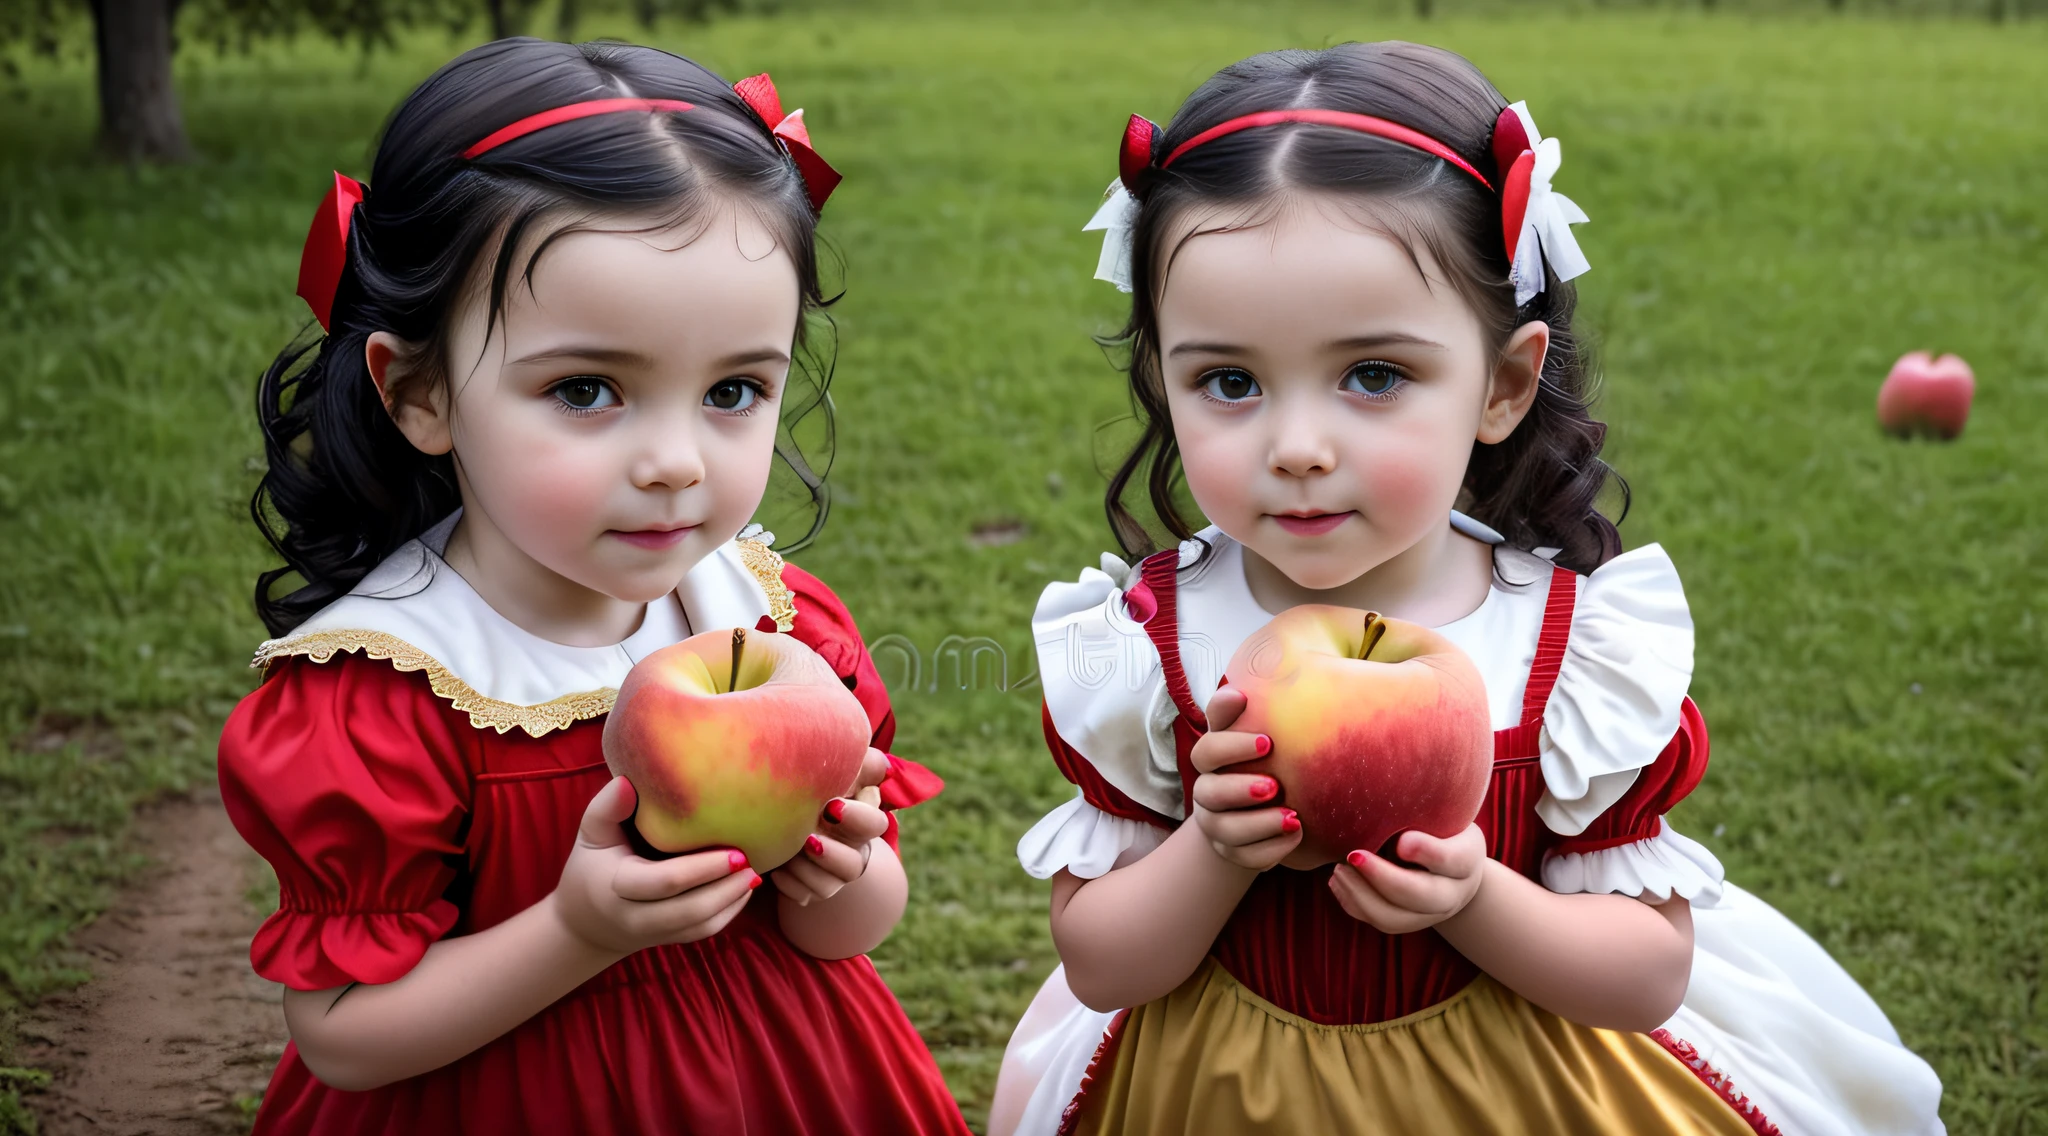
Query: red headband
{"x": 326, "y": 250}
{"x": 570, "y": 113}
{"x": 1511, "y": 151}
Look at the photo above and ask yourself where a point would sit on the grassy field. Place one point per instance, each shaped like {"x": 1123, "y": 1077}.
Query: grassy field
{"x": 1781, "y": 207}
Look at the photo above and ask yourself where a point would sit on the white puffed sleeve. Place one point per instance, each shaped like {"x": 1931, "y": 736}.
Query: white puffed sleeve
{"x": 1619, "y": 689}
{"x": 1086, "y": 841}
{"x": 1619, "y": 747}
{"x": 1104, "y": 688}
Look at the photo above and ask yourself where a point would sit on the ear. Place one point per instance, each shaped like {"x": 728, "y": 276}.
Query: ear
{"x": 1513, "y": 387}
{"x": 418, "y": 409}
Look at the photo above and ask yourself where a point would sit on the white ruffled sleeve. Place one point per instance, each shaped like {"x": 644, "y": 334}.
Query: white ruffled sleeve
{"x": 1086, "y": 841}
{"x": 1619, "y": 690}
{"x": 1618, "y": 705}
{"x": 1103, "y": 686}
{"x": 1669, "y": 863}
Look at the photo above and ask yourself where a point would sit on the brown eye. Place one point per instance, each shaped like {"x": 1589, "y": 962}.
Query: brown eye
{"x": 585, "y": 392}
{"x": 1374, "y": 379}
{"x": 732, "y": 394}
{"x": 1230, "y": 385}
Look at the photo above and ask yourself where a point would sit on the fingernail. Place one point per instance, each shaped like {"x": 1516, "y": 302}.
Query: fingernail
{"x": 755, "y": 882}
{"x": 1262, "y": 745}
{"x": 1263, "y": 788}
{"x": 814, "y": 846}
{"x": 1290, "y": 821}
{"x": 1356, "y": 859}
{"x": 835, "y": 809}
{"x": 737, "y": 859}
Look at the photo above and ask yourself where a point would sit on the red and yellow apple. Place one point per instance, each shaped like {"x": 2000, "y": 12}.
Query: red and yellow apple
{"x": 1924, "y": 395}
{"x": 734, "y": 739}
{"x": 1378, "y": 726}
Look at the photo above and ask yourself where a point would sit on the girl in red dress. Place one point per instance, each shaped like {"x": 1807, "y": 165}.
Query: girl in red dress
{"x": 560, "y": 326}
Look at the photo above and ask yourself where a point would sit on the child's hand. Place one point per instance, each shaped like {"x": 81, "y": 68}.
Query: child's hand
{"x": 1397, "y": 900}
{"x": 1231, "y": 808}
{"x": 619, "y": 902}
{"x": 837, "y": 853}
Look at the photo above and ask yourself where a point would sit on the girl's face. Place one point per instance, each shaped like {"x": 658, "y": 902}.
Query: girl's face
{"x": 618, "y": 424}
{"x": 1325, "y": 389}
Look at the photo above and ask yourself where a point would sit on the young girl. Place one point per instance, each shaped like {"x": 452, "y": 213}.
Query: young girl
{"x": 560, "y": 324}
{"x": 1350, "y": 319}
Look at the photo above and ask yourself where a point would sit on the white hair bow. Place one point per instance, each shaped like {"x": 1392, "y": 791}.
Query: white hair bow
{"x": 1116, "y": 218}
{"x": 1548, "y": 217}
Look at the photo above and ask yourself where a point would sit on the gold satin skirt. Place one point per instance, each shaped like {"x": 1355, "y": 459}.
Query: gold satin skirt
{"x": 1212, "y": 1059}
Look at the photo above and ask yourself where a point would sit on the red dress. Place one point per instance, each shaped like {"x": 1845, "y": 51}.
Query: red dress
{"x": 393, "y": 821}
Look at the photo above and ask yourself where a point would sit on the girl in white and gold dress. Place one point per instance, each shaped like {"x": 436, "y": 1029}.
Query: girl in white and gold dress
{"x": 1351, "y": 312}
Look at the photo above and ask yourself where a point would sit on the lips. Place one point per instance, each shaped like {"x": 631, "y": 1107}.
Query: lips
{"x": 654, "y": 539}
{"x": 1311, "y": 524}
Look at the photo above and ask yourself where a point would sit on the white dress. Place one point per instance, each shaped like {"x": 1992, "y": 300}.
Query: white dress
{"x": 1766, "y": 1006}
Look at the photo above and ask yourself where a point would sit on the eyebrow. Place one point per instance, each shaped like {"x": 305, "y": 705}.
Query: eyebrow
{"x": 1355, "y": 343}
{"x": 613, "y": 355}
{"x": 623, "y": 358}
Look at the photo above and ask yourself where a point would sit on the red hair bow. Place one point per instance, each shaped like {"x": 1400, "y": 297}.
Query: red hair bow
{"x": 819, "y": 177}
{"x": 1515, "y": 158}
{"x": 326, "y": 251}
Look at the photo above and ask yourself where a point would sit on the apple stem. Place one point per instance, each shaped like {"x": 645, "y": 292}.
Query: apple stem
{"x": 1369, "y": 635}
{"x": 739, "y": 643}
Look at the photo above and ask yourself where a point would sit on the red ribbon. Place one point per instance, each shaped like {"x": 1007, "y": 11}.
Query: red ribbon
{"x": 1515, "y": 161}
{"x": 820, "y": 179}
{"x": 326, "y": 250}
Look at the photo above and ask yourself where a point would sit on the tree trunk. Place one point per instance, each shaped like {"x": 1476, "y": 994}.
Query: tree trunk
{"x": 139, "y": 119}
{"x": 501, "y": 24}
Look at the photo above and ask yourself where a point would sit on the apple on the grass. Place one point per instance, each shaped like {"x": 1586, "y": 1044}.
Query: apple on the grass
{"x": 1925, "y": 395}
{"x": 1378, "y": 726}
{"x": 733, "y": 739}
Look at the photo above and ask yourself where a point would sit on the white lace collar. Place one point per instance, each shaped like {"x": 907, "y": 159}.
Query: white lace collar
{"x": 421, "y": 615}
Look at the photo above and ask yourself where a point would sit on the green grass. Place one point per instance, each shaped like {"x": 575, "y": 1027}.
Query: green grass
{"x": 1781, "y": 207}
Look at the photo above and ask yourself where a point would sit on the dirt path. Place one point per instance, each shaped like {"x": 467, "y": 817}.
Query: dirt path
{"x": 174, "y": 1029}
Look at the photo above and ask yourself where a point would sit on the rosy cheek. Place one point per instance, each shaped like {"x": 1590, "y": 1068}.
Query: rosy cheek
{"x": 1408, "y": 485}
{"x": 1221, "y": 470}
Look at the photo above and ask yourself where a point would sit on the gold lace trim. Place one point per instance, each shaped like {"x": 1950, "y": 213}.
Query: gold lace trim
{"x": 766, "y": 565}
{"x": 485, "y": 713}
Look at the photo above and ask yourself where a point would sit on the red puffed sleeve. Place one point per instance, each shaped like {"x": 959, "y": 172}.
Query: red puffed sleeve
{"x": 350, "y": 778}
{"x": 824, "y": 625}
{"x": 1639, "y": 814}
{"x": 1628, "y": 849}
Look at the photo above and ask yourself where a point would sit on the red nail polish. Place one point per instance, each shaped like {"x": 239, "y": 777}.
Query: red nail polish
{"x": 1291, "y": 822}
{"x": 1264, "y": 788}
{"x": 814, "y": 846}
{"x": 1262, "y": 745}
{"x": 737, "y": 859}
{"x": 835, "y": 810}
{"x": 755, "y": 882}
{"x": 1356, "y": 859}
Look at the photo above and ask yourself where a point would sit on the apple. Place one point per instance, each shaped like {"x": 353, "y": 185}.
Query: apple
{"x": 1378, "y": 726}
{"x": 733, "y": 739}
{"x": 1924, "y": 395}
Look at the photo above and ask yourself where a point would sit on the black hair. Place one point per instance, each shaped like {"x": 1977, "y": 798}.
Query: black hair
{"x": 345, "y": 488}
{"x": 1539, "y": 487}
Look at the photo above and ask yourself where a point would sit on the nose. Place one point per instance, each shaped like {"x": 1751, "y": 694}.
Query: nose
{"x": 666, "y": 457}
{"x": 1301, "y": 444}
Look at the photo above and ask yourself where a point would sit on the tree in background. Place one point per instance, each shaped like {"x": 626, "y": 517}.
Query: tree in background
{"x": 134, "y": 41}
